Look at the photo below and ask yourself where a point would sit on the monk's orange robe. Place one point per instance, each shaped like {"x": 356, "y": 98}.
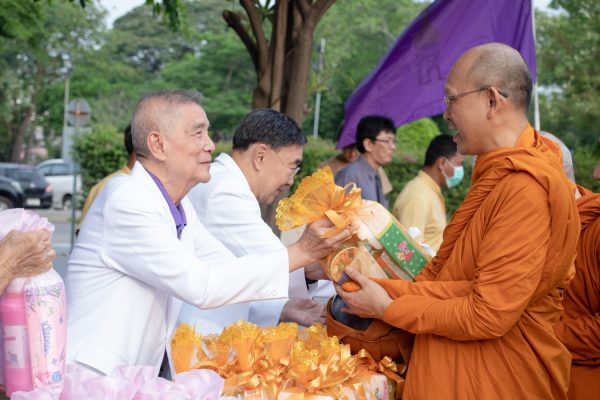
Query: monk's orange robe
{"x": 483, "y": 308}
{"x": 579, "y": 328}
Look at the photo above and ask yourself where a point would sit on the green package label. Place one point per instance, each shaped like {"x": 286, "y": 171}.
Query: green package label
{"x": 402, "y": 250}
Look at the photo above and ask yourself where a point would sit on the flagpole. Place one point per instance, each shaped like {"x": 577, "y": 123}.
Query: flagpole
{"x": 536, "y": 101}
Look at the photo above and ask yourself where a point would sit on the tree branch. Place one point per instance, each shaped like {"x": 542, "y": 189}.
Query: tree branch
{"x": 278, "y": 44}
{"x": 259, "y": 34}
{"x": 234, "y": 21}
{"x": 304, "y": 8}
{"x": 320, "y": 8}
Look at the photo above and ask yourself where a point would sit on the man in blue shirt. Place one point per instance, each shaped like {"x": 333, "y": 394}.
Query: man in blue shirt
{"x": 376, "y": 142}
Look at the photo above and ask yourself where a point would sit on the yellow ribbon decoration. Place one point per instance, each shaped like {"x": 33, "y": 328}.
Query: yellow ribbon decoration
{"x": 318, "y": 196}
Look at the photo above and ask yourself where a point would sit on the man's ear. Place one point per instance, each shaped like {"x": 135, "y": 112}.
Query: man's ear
{"x": 440, "y": 163}
{"x": 368, "y": 145}
{"x": 157, "y": 145}
{"x": 258, "y": 155}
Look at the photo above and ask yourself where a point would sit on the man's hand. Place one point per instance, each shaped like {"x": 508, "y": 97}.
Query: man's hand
{"x": 312, "y": 246}
{"x": 370, "y": 301}
{"x": 30, "y": 253}
{"x": 304, "y": 312}
{"x": 315, "y": 272}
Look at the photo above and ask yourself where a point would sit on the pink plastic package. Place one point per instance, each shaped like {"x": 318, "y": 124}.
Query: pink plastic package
{"x": 45, "y": 310}
{"x": 45, "y": 307}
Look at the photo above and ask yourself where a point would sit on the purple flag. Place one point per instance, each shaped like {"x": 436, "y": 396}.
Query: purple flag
{"x": 408, "y": 83}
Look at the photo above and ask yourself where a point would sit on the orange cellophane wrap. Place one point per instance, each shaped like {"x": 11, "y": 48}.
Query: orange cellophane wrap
{"x": 318, "y": 196}
{"x": 280, "y": 361}
{"x": 319, "y": 365}
{"x": 184, "y": 348}
{"x": 245, "y": 355}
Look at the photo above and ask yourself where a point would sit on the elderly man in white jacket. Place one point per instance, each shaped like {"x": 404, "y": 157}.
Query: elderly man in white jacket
{"x": 267, "y": 152}
{"x": 141, "y": 249}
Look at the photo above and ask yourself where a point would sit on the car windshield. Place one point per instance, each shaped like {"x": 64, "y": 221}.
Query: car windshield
{"x": 24, "y": 175}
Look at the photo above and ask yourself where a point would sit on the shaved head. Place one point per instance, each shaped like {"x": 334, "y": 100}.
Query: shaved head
{"x": 499, "y": 65}
{"x": 154, "y": 112}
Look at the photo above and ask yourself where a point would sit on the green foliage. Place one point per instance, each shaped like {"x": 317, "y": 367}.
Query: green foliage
{"x": 99, "y": 154}
{"x": 568, "y": 70}
{"x": 223, "y": 74}
{"x": 34, "y": 61}
{"x": 415, "y": 137}
{"x": 316, "y": 151}
{"x": 17, "y": 17}
{"x": 222, "y": 147}
{"x": 585, "y": 159}
{"x": 357, "y": 33}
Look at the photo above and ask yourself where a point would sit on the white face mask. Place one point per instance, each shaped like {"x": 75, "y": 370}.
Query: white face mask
{"x": 456, "y": 178}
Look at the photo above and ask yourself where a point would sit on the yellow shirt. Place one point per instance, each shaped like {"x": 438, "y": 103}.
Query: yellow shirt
{"x": 421, "y": 204}
{"x": 95, "y": 190}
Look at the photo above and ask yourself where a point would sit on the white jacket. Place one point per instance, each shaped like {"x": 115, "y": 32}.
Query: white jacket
{"x": 128, "y": 270}
{"x": 229, "y": 210}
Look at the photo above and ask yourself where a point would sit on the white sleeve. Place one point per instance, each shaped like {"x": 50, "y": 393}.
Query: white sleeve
{"x": 234, "y": 217}
{"x": 140, "y": 242}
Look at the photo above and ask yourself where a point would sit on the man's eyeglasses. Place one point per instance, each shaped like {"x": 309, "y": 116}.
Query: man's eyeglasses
{"x": 293, "y": 170}
{"x": 389, "y": 142}
{"x": 450, "y": 99}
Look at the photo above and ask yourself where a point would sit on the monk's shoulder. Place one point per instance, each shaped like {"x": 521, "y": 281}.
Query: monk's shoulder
{"x": 522, "y": 190}
{"x": 522, "y": 184}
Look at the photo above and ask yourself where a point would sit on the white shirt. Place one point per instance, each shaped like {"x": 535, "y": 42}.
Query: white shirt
{"x": 128, "y": 271}
{"x": 230, "y": 211}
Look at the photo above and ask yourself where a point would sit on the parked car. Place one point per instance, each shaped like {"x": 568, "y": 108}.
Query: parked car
{"x": 60, "y": 175}
{"x": 11, "y": 194}
{"x": 37, "y": 192}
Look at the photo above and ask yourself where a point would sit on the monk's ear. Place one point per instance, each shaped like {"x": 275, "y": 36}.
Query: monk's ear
{"x": 495, "y": 101}
{"x": 259, "y": 153}
{"x": 157, "y": 145}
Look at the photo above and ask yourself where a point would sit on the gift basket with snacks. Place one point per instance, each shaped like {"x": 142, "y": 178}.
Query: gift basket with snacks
{"x": 381, "y": 248}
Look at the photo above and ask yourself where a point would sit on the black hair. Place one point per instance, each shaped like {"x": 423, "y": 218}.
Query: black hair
{"x": 440, "y": 146}
{"x": 270, "y": 127}
{"x": 370, "y": 126}
{"x": 128, "y": 140}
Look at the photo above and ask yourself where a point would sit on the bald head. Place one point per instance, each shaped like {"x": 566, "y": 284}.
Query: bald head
{"x": 499, "y": 65}
{"x": 154, "y": 112}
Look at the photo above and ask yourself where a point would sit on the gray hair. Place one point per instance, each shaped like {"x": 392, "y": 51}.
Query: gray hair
{"x": 154, "y": 111}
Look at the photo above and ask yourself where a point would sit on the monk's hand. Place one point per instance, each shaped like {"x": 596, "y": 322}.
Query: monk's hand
{"x": 370, "y": 301}
{"x": 315, "y": 272}
{"x": 30, "y": 253}
{"x": 305, "y": 312}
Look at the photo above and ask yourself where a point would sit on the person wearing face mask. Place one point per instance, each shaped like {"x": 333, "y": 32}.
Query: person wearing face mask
{"x": 421, "y": 203}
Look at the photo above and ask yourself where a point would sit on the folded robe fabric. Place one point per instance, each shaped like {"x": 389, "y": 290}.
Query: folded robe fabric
{"x": 579, "y": 328}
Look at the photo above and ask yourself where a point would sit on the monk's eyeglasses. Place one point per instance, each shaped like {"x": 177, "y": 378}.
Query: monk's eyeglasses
{"x": 450, "y": 99}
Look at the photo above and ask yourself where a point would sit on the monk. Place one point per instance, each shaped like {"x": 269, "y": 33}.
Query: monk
{"x": 483, "y": 308}
{"x": 579, "y": 328}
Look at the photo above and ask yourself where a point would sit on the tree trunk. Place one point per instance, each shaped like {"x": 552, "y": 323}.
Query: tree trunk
{"x": 20, "y": 138}
{"x": 298, "y": 80}
{"x": 282, "y": 65}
